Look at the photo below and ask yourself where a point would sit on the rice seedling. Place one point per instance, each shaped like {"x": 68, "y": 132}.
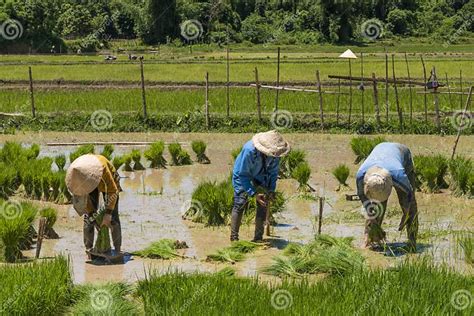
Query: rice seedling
{"x": 228, "y": 255}
{"x": 244, "y": 246}
{"x": 8, "y": 181}
{"x": 81, "y": 150}
{"x": 117, "y": 162}
{"x": 154, "y": 154}
{"x": 87, "y": 299}
{"x": 199, "y": 147}
{"x": 162, "y": 249}
{"x": 461, "y": 170}
{"x": 179, "y": 156}
{"x": 46, "y": 179}
{"x": 341, "y": 173}
{"x": 127, "y": 162}
{"x": 465, "y": 244}
{"x": 431, "y": 171}
{"x": 37, "y": 186}
{"x": 38, "y": 288}
{"x": 236, "y": 152}
{"x": 32, "y": 152}
{"x": 136, "y": 157}
{"x": 60, "y": 161}
{"x": 289, "y": 162}
{"x": 302, "y": 173}
{"x": 363, "y": 146}
{"x": 64, "y": 196}
{"x": 226, "y": 272}
{"x": 51, "y": 216}
{"x": 102, "y": 243}
{"x": 108, "y": 151}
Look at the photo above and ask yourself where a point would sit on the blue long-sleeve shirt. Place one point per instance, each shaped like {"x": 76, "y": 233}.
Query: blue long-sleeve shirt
{"x": 250, "y": 171}
{"x": 394, "y": 157}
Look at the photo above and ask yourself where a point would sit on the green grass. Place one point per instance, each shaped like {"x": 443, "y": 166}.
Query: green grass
{"x": 465, "y": 243}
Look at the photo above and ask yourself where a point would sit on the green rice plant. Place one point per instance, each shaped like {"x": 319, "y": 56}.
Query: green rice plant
{"x": 244, "y": 246}
{"x": 228, "y": 255}
{"x": 60, "y": 161}
{"x": 102, "y": 243}
{"x": 294, "y": 267}
{"x": 64, "y": 196}
{"x": 226, "y": 272}
{"x": 127, "y": 162}
{"x": 199, "y": 147}
{"x": 289, "y": 162}
{"x": 55, "y": 185}
{"x": 236, "y": 152}
{"x": 431, "y": 171}
{"x": 108, "y": 151}
{"x": 154, "y": 154}
{"x": 136, "y": 157}
{"x": 363, "y": 146}
{"x": 51, "y": 216}
{"x": 341, "y": 173}
{"x": 179, "y": 156}
{"x": 37, "y": 288}
{"x": 460, "y": 170}
{"x": 81, "y": 150}
{"x": 465, "y": 244}
{"x": 104, "y": 299}
{"x": 161, "y": 249}
{"x": 8, "y": 180}
{"x": 37, "y": 186}
{"x": 32, "y": 152}
{"x": 302, "y": 173}
{"x": 46, "y": 180}
{"x": 11, "y": 153}
{"x": 117, "y": 162}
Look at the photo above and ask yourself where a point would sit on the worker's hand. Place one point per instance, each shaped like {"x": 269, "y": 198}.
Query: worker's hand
{"x": 107, "y": 221}
{"x": 261, "y": 200}
{"x": 271, "y": 196}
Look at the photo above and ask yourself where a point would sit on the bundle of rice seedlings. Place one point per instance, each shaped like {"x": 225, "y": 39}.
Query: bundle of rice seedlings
{"x": 11, "y": 153}
{"x": 102, "y": 243}
{"x": 32, "y": 152}
{"x": 289, "y": 162}
{"x": 461, "y": 170}
{"x": 431, "y": 171}
{"x": 127, "y": 162}
{"x": 226, "y": 255}
{"x": 108, "y": 151}
{"x": 179, "y": 156}
{"x": 225, "y": 272}
{"x": 302, "y": 174}
{"x": 363, "y": 146}
{"x": 465, "y": 242}
{"x": 51, "y": 216}
{"x": 338, "y": 260}
{"x": 46, "y": 180}
{"x": 341, "y": 173}
{"x": 81, "y": 150}
{"x": 37, "y": 186}
{"x": 294, "y": 267}
{"x": 117, "y": 162}
{"x": 244, "y": 246}
{"x": 236, "y": 152}
{"x": 154, "y": 154}
{"x": 9, "y": 180}
{"x": 29, "y": 212}
{"x": 162, "y": 249}
{"x": 136, "y": 157}
{"x": 64, "y": 196}
{"x": 55, "y": 185}
{"x": 60, "y": 161}
{"x": 199, "y": 147}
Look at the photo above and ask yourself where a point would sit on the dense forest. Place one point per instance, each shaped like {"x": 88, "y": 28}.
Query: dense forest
{"x": 89, "y": 25}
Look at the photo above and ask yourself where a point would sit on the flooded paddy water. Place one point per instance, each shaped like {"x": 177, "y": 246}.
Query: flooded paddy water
{"x": 154, "y": 200}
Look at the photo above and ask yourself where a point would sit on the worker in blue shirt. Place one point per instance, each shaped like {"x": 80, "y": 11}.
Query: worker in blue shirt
{"x": 256, "y": 166}
{"x": 388, "y": 165}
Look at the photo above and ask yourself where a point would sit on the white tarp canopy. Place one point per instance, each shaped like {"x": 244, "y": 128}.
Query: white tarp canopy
{"x": 348, "y": 54}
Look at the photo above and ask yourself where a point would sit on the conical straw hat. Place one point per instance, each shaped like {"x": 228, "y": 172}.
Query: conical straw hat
{"x": 378, "y": 184}
{"x": 84, "y": 175}
{"x": 271, "y": 144}
{"x": 348, "y": 54}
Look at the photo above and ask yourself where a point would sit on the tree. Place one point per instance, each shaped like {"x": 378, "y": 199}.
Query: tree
{"x": 159, "y": 22}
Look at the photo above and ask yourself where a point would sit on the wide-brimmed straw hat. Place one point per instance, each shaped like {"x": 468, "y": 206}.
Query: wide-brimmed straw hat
{"x": 271, "y": 144}
{"x": 84, "y": 174}
{"x": 378, "y": 184}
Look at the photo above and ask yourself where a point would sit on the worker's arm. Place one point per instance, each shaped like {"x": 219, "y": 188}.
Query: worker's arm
{"x": 109, "y": 185}
{"x": 243, "y": 170}
{"x": 360, "y": 187}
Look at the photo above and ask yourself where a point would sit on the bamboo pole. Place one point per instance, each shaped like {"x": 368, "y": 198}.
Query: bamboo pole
{"x": 449, "y": 91}
{"x": 321, "y": 111}
{"x": 278, "y": 79}
{"x": 425, "y": 100}
{"x": 362, "y": 86}
{"x": 399, "y": 110}
{"x": 460, "y": 125}
{"x": 32, "y": 95}
{"x": 436, "y": 100}
{"x": 338, "y": 100}
{"x": 320, "y": 215}
{"x": 143, "y": 89}
{"x": 460, "y": 86}
{"x": 228, "y": 83}
{"x": 411, "y": 92}
{"x": 376, "y": 101}
{"x": 257, "y": 87}
{"x": 386, "y": 89}
{"x": 350, "y": 91}
{"x": 207, "y": 100}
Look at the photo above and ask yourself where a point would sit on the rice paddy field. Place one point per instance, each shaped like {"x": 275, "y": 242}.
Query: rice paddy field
{"x": 181, "y": 264}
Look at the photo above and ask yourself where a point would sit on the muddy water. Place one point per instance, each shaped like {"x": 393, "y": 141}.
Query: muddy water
{"x": 153, "y": 201}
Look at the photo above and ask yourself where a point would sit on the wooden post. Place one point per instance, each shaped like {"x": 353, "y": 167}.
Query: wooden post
{"x": 436, "y": 100}
{"x": 207, "y": 101}
{"x": 228, "y": 83}
{"x": 399, "y": 110}
{"x": 460, "y": 125}
{"x": 376, "y": 100}
{"x": 321, "y": 111}
{"x": 350, "y": 91}
{"x": 257, "y": 87}
{"x": 460, "y": 87}
{"x": 411, "y": 92}
{"x": 426, "y": 90}
{"x": 362, "y": 86}
{"x": 320, "y": 215}
{"x": 41, "y": 231}
{"x": 278, "y": 80}
{"x": 338, "y": 100}
{"x": 449, "y": 92}
{"x": 386, "y": 89}
{"x": 143, "y": 89}
{"x": 32, "y": 95}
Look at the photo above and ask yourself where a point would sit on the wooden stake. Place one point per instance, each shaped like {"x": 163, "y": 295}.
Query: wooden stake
{"x": 32, "y": 95}
{"x": 386, "y": 88}
{"x": 362, "y": 86}
{"x": 338, "y": 100}
{"x": 207, "y": 101}
{"x": 320, "y": 215}
{"x": 257, "y": 87}
{"x": 278, "y": 80}
{"x": 449, "y": 91}
{"x": 399, "y": 110}
{"x": 39, "y": 240}
{"x": 436, "y": 100}
{"x": 425, "y": 88}
{"x": 143, "y": 89}
{"x": 460, "y": 125}
{"x": 350, "y": 91}
{"x": 460, "y": 86}
{"x": 228, "y": 83}
{"x": 376, "y": 100}
{"x": 411, "y": 92}
{"x": 321, "y": 111}
{"x": 267, "y": 219}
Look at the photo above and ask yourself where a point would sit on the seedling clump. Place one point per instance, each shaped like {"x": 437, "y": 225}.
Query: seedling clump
{"x": 199, "y": 147}
{"x": 341, "y": 173}
{"x": 162, "y": 249}
{"x": 289, "y": 162}
{"x": 51, "y": 216}
{"x": 363, "y": 146}
{"x": 117, "y": 162}
{"x": 136, "y": 157}
{"x": 60, "y": 161}
{"x": 179, "y": 156}
{"x": 302, "y": 174}
{"x": 81, "y": 150}
{"x": 154, "y": 154}
{"x": 108, "y": 151}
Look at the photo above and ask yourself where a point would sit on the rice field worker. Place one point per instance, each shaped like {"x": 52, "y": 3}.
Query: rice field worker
{"x": 256, "y": 171}
{"x": 86, "y": 178}
{"x": 388, "y": 165}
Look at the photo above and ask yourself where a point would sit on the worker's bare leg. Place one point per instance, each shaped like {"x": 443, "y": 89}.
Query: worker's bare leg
{"x": 116, "y": 229}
